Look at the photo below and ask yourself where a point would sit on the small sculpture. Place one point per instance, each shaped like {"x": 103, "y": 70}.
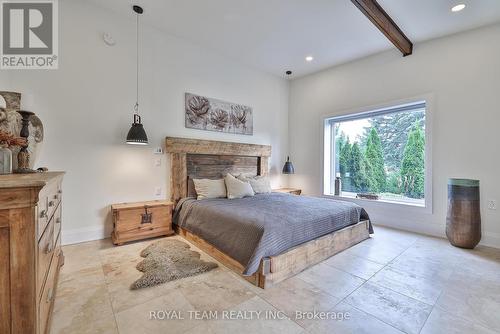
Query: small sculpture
{"x": 23, "y": 157}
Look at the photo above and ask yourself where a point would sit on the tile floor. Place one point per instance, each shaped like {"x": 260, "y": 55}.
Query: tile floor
{"x": 396, "y": 282}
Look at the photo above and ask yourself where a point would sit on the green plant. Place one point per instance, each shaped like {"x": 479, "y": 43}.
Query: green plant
{"x": 375, "y": 163}
{"x": 413, "y": 164}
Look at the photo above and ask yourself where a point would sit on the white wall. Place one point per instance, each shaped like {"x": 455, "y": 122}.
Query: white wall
{"x": 86, "y": 106}
{"x": 4, "y": 79}
{"x": 461, "y": 72}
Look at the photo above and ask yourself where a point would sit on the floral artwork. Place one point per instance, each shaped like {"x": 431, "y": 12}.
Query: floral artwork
{"x": 215, "y": 115}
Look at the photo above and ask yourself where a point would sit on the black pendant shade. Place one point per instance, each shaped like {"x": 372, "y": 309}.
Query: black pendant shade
{"x": 288, "y": 167}
{"x": 136, "y": 135}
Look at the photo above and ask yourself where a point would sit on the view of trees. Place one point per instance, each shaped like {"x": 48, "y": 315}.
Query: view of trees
{"x": 388, "y": 158}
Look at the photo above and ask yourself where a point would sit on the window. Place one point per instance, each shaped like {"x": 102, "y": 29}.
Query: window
{"x": 378, "y": 155}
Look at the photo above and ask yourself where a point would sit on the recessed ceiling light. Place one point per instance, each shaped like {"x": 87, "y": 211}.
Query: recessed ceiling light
{"x": 458, "y": 8}
{"x": 309, "y": 58}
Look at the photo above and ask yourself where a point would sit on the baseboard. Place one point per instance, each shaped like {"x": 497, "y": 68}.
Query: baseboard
{"x": 489, "y": 239}
{"x": 433, "y": 230}
{"x": 76, "y": 236}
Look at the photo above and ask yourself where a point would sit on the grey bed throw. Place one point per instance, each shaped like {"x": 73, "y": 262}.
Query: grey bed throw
{"x": 251, "y": 228}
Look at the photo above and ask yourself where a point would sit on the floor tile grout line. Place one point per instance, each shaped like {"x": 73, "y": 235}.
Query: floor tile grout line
{"x": 99, "y": 254}
{"x": 441, "y": 309}
{"x": 344, "y": 300}
{"x": 357, "y": 308}
{"x": 402, "y": 294}
{"x": 384, "y": 266}
{"x": 279, "y": 309}
{"x": 345, "y": 271}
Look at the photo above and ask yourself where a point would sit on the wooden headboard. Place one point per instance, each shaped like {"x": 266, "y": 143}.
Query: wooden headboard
{"x": 195, "y": 158}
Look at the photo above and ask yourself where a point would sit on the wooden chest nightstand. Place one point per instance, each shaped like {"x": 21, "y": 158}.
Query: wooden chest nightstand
{"x": 141, "y": 220}
{"x": 293, "y": 191}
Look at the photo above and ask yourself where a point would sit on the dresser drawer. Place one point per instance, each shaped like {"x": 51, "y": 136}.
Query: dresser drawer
{"x": 48, "y": 200}
{"x": 57, "y": 218}
{"x": 48, "y": 294}
{"x": 45, "y": 250}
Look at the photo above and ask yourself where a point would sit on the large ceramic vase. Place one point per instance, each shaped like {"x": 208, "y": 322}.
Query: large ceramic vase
{"x": 463, "y": 221}
{"x": 11, "y": 121}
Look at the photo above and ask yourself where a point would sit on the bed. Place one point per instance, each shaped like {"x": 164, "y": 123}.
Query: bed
{"x": 266, "y": 238}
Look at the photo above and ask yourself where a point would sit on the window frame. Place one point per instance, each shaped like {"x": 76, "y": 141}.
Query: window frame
{"x": 328, "y": 150}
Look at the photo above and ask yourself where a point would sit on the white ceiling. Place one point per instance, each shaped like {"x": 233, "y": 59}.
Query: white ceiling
{"x": 276, "y": 35}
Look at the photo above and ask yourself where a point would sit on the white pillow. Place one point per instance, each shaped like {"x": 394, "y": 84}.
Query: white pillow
{"x": 237, "y": 188}
{"x": 206, "y": 188}
{"x": 260, "y": 184}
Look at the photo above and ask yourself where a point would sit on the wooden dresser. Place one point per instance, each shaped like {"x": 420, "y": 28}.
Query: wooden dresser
{"x": 30, "y": 250}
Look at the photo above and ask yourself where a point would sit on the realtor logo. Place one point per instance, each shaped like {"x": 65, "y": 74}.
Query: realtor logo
{"x": 29, "y": 34}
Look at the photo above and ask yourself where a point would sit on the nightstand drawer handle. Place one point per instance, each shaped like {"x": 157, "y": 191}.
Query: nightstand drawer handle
{"x": 50, "y": 248}
{"x": 146, "y": 218}
{"x": 51, "y": 203}
{"x": 43, "y": 214}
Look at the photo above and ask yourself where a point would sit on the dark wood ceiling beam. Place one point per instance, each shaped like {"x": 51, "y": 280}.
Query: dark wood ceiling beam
{"x": 375, "y": 13}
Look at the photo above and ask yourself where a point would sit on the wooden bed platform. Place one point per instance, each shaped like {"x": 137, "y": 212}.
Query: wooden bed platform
{"x": 193, "y": 158}
{"x": 275, "y": 269}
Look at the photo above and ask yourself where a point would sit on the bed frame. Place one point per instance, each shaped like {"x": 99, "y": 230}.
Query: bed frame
{"x": 194, "y": 158}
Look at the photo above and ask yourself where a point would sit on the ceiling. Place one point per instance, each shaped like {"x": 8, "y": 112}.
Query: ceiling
{"x": 277, "y": 35}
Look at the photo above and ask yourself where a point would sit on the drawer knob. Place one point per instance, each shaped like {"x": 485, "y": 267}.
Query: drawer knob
{"x": 43, "y": 214}
{"x": 59, "y": 191}
{"x": 50, "y": 248}
{"x": 58, "y": 220}
{"x": 51, "y": 203}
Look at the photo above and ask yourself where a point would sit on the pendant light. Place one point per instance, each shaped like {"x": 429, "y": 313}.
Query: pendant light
{"x": 136, "y": 135}
{"x": 288, "y": 167}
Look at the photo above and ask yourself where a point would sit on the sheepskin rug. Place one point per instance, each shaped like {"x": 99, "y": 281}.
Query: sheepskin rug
{"x": 168, "y": 260}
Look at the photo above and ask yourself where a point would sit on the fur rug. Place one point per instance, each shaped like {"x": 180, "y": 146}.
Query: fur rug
{"x": 168, "y": 260}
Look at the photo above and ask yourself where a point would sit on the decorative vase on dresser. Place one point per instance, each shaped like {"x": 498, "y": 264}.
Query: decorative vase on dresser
{"x": 463, "y": 221}
{"x": 30, "y": 250}
{"x": 5, "y": 160}
{"x": 11, "y": 122}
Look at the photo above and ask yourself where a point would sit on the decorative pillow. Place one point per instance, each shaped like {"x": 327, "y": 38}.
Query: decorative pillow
{"x": 260, "y": 184}
{"x": 237, "y": 188}
{"x": 206, "y": 188}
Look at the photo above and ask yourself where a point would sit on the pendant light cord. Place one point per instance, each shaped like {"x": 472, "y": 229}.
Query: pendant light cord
{"x": 136, "y": 106}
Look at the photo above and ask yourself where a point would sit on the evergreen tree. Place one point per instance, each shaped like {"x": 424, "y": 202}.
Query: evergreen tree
{"x": 393, "y": 130}
{"x": 357, "y": 169}
{"x": 375, "y": 163}
{"x": 413, "y": 164}
{"x": 344, "y": 157}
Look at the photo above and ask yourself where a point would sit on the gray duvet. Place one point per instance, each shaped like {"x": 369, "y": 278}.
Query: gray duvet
{"x": 252, "y": 228}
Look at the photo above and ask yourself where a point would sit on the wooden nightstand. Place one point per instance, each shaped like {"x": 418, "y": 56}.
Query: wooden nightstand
{"x": 293, "y": 191}
{"x": 141, "y": 220}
